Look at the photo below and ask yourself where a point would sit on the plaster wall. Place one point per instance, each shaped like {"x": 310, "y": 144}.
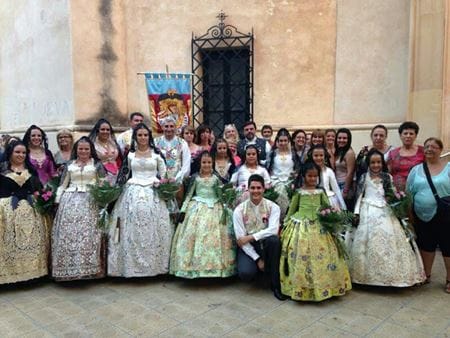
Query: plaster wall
{"x": 428, "y": 62}
{"x": 99, "y": 61}
{"x": 35, "y": 64}
{"x": 294, "y": 51}
{"x": 372, "y": 60}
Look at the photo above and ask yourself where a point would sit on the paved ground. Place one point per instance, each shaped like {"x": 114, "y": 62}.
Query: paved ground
{"x": 174, "y": 308}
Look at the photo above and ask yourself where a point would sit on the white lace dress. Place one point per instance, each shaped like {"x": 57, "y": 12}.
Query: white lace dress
{"x": 140, "y": 232}
{"x": 380, "y": 253}
{"x": 281, "y": 176}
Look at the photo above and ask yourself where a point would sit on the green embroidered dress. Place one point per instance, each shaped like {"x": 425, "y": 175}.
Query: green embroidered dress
{"x": 310, "y": 267}
{"x": 202, "y": 246}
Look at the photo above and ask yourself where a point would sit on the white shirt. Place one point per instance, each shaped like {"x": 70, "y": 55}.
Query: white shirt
{"x": 241, "y": 231}
{"x": 124, "y": 140}
{"x": 329, "y": 183}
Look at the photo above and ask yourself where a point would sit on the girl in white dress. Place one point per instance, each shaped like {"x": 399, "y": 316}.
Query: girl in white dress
{"x": 140, "y": 232}
{"x": 282, "y": 165}
{"x": 381, "y": 253}
{"x": 251, "y": 166}
{"x": 319, "y": 156}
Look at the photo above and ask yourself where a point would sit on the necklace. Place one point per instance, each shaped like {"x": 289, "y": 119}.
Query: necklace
{"x": 17, "y": 170}
{"x": 283, "y": 156}
{"x": 39, "y": 157}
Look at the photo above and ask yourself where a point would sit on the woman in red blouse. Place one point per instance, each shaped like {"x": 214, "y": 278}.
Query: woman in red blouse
{"x": 402, "y": 159}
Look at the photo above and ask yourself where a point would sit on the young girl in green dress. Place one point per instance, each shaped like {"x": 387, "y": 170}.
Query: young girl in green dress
{"x": 202, "y": 246}
{"x": 310, "y": 267}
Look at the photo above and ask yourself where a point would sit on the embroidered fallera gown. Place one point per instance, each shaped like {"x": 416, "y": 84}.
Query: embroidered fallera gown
{"x": 240, "y": 180}
{"x": 78, "y": 250}
{"x": 310, "y": 266}
{"x": 24, "y": 238}
{"x": 46, "y": 169}
{"x": 380, "y": 253}
{"x": 202, "y": 245}
{"x": 281, "y": 177}
{"x": 140, "y": 232}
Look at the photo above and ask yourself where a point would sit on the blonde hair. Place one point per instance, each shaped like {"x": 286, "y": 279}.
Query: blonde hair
{"x": 231, "y": 127}
{"x": 63, "y": 131}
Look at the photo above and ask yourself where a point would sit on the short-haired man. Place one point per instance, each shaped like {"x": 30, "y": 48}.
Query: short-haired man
{"x": 256, "y": 223}
{"x": 124, "y": 139}
{"x": 250, "y": 138}
{"x": 175, "y": 150}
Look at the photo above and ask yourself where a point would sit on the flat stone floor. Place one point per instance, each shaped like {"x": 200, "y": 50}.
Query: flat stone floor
{"x": 171, "y": 307}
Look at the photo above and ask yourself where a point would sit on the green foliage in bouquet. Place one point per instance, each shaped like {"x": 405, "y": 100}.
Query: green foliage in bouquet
{"x": 227, "y": 195}
{"x": 401, "y": 204}
{"x": 167, "y": 189}
{"x": 336, "y": 222}
{"x": 271, "y": 194}
{"x": 103, "y": 194}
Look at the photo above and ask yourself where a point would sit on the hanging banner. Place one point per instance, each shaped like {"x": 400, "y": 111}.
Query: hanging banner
{"x": 169, "y": 95}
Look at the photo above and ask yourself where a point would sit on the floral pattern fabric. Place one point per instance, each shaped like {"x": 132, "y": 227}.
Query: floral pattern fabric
{"x": 202, "y": 246}
{"x": 140, "y": 231}
{"x": 381, "y": 253}
{"x": 23, "y": 242}
{"x": 310, "y": 267}
{"x": 78, "y": 250}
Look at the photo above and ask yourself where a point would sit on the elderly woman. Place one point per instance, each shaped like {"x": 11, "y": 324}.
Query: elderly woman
{"x": 64, "y": 139}
{"x": 402, "y": 159}
{"x": 378, "y": 135}
{"x": 431, "y": 224}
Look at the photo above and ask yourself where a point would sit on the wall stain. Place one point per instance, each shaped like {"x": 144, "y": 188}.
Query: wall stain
{"x": 107, "y": 59}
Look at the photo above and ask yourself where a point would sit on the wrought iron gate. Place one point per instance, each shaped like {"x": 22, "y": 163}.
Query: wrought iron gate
{"x": 222, "y": 87}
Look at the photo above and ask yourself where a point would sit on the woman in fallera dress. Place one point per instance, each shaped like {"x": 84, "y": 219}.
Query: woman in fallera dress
{"x": 78, "y": 250}
{"x": 282, "y": 164}
{"x": 107, "y": 148}
{"x": 24, "y": 234}
{"x": 381, "y": 253}
{"x": 310, "y": 266}
{"x": 223, "y": 161}
{"x": 140, "y": 232}
{"x": 40, "y": 157}
{"x": 249, "y": 167}
{"x": 202, "y": 245}
{"x": 319, "y": 155}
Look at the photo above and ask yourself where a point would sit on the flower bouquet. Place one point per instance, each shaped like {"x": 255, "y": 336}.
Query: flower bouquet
{"x": 104, "y": 193}
{"x": 401, "y": 204}
{"x": 336, "y": 222}
{"x": 44, "y": 201}
{"x": 227, "y": 196}
{"x": 271, "y": 194}
{"x": 167, "y": 188}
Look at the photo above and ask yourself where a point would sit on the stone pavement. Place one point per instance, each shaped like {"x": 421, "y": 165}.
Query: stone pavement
{"x": 171, "y": 307}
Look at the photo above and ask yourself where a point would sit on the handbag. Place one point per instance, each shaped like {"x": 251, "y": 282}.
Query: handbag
{"x": 443, "y": 203}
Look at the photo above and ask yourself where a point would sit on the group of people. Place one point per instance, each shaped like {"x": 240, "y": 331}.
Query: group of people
{"x": 196, "y": 235}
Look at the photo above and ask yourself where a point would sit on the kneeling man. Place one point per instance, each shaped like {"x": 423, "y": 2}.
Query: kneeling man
{"x": 256, "y": 222}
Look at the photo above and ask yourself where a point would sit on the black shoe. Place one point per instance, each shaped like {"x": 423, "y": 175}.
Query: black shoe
{"x": 278, "y": 295}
